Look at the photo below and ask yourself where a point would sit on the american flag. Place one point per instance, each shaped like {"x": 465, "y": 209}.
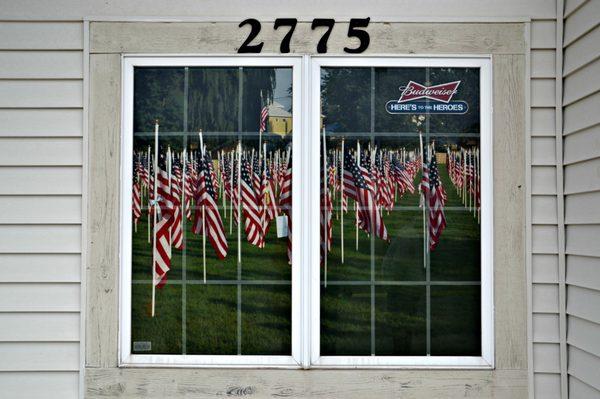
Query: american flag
{"x": 136, "y": 199}
{"x": 162, "y": 243}
{"x": 359, "y": 186}
{"x": 250, "y": 206}
{"x": 325, "y": 221}
{"x": 206, "y": 198}
{"x": 264, "y": 114}
{"x": 177, "y": 227}
{"x": 434, "y": 193}
{"x": 285, "y": 201}
{"x": 268, "y": 198}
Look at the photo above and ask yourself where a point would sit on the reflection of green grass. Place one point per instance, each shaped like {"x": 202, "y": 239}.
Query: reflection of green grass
{"x": 346, "y": 313}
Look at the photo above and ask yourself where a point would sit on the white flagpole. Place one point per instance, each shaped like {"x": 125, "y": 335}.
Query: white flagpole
{"x": 203, "y": 211}
{"x": 239, "y": 200}
{"x": 324, "y": 210}
{"x": 356, "y": 202}
{"x": 342, "y": 201}
{"x": 154, "y": 215}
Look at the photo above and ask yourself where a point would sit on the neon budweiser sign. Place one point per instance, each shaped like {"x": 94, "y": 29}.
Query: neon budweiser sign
{"x": 415, "y": 91}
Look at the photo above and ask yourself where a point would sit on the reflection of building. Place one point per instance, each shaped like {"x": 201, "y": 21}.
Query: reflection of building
{"x": 280, "y": 120}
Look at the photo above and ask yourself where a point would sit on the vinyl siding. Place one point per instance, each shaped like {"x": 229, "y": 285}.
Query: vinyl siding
{"x": 545, "y": 191}
{"x": 41, "y": 158}
{"x": 581, "y": 100}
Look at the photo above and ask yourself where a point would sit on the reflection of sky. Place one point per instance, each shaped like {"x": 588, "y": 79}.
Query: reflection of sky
{"x": 283, "y": 81}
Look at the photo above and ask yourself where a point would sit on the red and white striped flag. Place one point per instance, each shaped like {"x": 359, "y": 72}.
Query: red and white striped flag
{"x": 162, "y": 243}
{"x": 285, "y": 201}
{"x": 250, "y": 206}
{"x": 206, "y": 198}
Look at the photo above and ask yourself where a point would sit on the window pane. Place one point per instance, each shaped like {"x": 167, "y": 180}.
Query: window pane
{"x": 455, "y": 320}
{"x": 401, "y": 157}
{"x": 224, "y": 155}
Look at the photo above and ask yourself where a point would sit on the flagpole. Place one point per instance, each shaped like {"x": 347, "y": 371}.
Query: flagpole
{"x": 239, "y": 201}
{"x": 203, "y": 170}
{"x": 356, "y": 201}
{"x": 154, "y": 215}
{"x": 324, "y": 209}
{"x": 342, "y": 200}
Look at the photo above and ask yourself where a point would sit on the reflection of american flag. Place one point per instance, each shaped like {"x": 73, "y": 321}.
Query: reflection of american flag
{"x": 250, "y": 206}
{"x": 326, "y": 225}
{"x": 177, "y": 228}
{"x": 162, "y": 244}
{"x": 136, "y": 200}
{"x": 360, "y": 188}
{"x": 285, "y": 201}
{"x": 264, "y": 114}
{"x": 206, "y": 198}
{"x": 434, "y": 192}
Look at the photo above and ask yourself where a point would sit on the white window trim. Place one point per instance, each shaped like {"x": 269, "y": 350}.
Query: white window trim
{"x": 305, "y": 245}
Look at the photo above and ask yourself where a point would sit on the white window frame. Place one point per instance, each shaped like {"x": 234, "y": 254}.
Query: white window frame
{"x": 126, "y": 358}
{"x": 306, "y": 190}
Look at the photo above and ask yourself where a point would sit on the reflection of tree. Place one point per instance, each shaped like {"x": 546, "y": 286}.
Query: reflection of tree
{"x": 346, "y": 99}
{"x": 213, "y": 99}
{"x": 256, "y": 80}
{"x": 158, "y": 93}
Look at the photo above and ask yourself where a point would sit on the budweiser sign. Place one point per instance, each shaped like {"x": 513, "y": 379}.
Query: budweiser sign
{"x": 415, "y": 91}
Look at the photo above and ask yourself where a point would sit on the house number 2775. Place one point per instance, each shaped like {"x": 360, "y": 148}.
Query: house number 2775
{"x": 355, "y": 29}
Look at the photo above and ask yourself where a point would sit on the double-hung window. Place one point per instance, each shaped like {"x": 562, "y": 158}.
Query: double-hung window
{"x": 306, "y": 212}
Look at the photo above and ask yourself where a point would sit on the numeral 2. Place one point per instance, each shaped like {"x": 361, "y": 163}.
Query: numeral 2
{"x": 255, "y": 30}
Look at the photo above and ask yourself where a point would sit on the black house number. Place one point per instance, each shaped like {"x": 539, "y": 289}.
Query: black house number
{"x": 355, "y": 29}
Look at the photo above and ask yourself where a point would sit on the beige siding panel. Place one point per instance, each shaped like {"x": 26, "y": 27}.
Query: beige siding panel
{"x": 582, "y": 176}
{"x": 572, "y": 5}
{"x": 543, "y": 151}
{"x": 543, "y": 122}
{"x": 581, "y": 390}
{"x": 583, "y": 271}
{"x": 40, "y": 385}
{"x": 583, "y": 303}
{"x": 544, "y": 239}
{"x": 40, "y": 268}
{"x": 584, "y": 334}
{"x": 546, "y": 386}
{"x": 543, "y": 209}
{"x": 543, "y": 64}
{"x": 543, "y": 35}
{"x": 45, "y": 297}
{"x": 583, "y": 239}
{"x": 41, "y": 64}
{"x": 582, "y": 83}
{"x": 545, "y": 327}
{"x": 579, "y": 116}
{"x": 543, "y": 180}
{"x": 582, "y": 145}
{"x": 41, "y": 35}
{"x": 581, "y": 21}
{"x": 211, "y": 38}
{"x": 543, "y": 92}
{"x": 581, "y": 52}
{"x": 545, "y": 268}
{"x": 584, "y": 366}
{"x": 40, "y": 238}
{"x": 545, "y": 298}
{"x": 41, "y": 152}
{"x": 582, "y": 208}
{"x": 60, "y": 356}
{"x": 41, "y": 93}
{"x": 41, "y": 122}
{"x": 39, "y": 327}
{"x": 40, "y": 180}
{"x": 40, "y": 209}
{"x": 545, "y": 358}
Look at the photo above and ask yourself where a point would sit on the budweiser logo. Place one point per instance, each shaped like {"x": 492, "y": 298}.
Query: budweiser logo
{"x": 414, "y": 91}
